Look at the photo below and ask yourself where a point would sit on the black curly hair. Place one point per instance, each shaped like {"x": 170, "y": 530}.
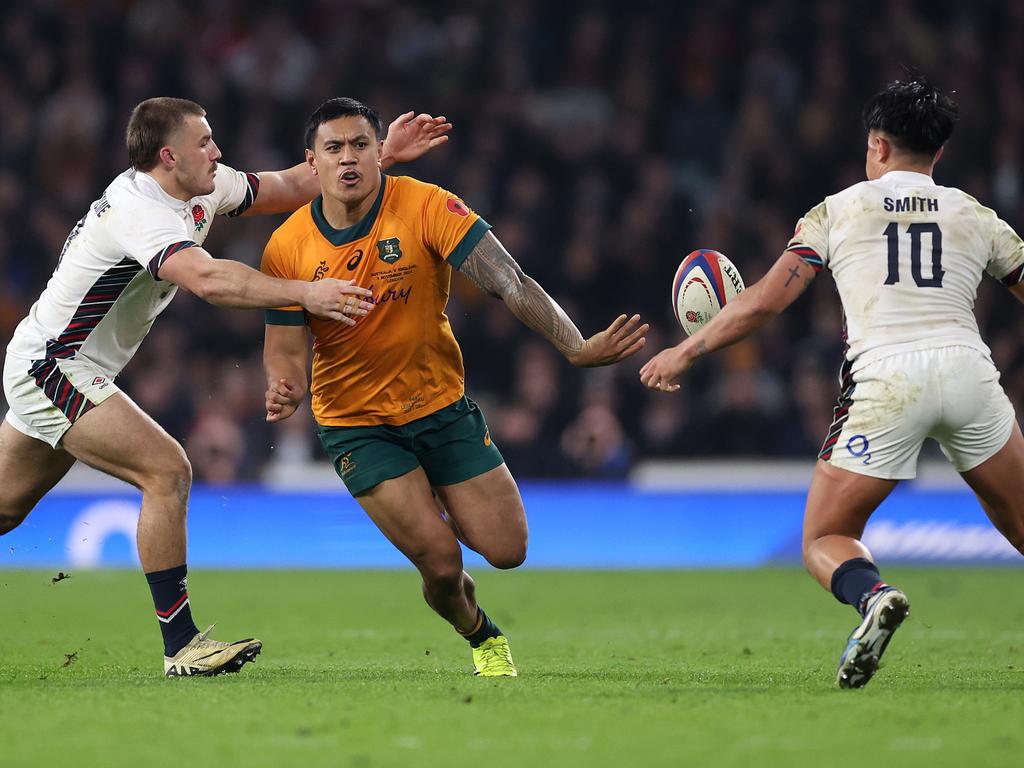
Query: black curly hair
{"x": 914, "y": 114}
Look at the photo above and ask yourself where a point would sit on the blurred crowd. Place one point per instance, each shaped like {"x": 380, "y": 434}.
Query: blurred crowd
{"x": 603, "y": 141}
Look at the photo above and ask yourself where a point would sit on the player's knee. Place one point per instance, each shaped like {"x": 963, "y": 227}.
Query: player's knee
{"x": 10, "y": 518}
{"x": 509, "y": 556}
{"x": 443, "y": 574}
{"x": 183, "y": 479}
{"x": 171, "y": 475}
{"x": 13, "y": 511}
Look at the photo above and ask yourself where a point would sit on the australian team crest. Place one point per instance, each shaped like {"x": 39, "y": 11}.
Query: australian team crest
{"x": 389, "y": 251}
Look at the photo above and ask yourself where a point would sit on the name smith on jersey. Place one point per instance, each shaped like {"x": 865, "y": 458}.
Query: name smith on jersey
{"x": 911, "y": 204}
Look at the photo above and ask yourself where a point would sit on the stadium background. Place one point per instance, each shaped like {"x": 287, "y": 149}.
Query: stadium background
{"x": 602, "y": 140}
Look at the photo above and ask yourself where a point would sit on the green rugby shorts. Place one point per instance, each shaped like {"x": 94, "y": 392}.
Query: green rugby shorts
{"x": 452, "y": 445}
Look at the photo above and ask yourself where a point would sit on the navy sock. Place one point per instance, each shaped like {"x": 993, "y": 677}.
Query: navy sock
{"x": 170, "y": 596}
{"x": 487, "y": 629}
{"x": 855, "y": 579}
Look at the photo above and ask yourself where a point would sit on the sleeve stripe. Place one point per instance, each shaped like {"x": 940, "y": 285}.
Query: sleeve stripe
{"x": 809, "y": 255}
{"x": 284, "y": 317}
{"x": 158, "y": 261}
{"x": 1016, "y": 276}
{"x": 252, "y": 188}
{"x": 473, "y": 236}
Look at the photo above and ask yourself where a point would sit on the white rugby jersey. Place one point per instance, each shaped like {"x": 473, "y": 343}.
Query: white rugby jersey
{"x": 907, "y": 256}
{"x": 105, "y": 292}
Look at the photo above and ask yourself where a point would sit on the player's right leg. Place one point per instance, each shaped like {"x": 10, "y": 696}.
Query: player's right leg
{"x": 31, "y": 461}
{"x": 118, "y": 438}
{"x": 404, "y": 510}
{"x": 386, "y": 470}
{"x": 983, "y": 440}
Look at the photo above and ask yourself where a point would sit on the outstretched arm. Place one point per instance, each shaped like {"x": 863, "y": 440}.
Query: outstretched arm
{"x": 785, "y": 281}
{"x": 409, "y": 137}
{"x": 495, "y": 272}
{"x": 226, "y": 283}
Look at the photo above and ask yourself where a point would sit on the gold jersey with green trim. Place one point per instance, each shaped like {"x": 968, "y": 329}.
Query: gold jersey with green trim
{"x": 401, "y": 362}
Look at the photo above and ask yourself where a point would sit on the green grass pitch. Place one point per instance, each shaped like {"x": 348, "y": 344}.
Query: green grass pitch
{"x": 630, "y": 668}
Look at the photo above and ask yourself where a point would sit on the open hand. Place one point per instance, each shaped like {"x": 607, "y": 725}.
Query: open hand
{"x": 624, "y": 337}
{"x": 411, "y": 136}
{"x": 341, "y": 300}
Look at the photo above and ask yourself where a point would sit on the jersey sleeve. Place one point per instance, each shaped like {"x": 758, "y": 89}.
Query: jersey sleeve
{"x": 277, "y": 264}
{"x": 234, "y": 191}
{"x": 451, "y": 230}
{"x": 150, "y": 236}
{"x": 1006, "y": 262}
{"x": 810, "y": 240}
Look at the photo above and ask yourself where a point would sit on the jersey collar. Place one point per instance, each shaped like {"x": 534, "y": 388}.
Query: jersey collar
{"x": 357, "y": 231}
{"x": 151, "y": 188}
{"x": 908, "y": 177}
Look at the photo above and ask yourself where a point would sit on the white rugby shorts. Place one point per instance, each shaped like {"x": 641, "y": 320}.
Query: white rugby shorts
{"x": 887, "y": 409}
{"x": 46, "y": 397}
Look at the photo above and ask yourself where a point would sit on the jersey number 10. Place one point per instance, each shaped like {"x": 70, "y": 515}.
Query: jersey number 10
{"x": 892, "y": 233}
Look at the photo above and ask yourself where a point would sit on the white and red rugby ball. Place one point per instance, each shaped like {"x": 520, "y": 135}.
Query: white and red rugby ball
{"x": 705, "y": 282}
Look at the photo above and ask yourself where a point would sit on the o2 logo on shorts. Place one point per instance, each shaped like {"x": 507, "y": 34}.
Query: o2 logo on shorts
{"x": 857, "y": 446}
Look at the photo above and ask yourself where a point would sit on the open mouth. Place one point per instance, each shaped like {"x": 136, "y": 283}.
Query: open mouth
{"x": 350, "y": 178}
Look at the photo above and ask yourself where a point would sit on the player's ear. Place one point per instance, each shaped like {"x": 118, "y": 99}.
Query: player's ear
{"x": 311, "y": 160}
{"x": 166, "y": 156}
{"x": 884, "y": 148}
{"x": 380, "y": 150}
{"x": 938, "y": 155}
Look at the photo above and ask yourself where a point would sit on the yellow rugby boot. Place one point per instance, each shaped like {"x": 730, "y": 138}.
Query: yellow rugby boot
{"x": 492, "y": 658}
{"x": 204, "y": 657}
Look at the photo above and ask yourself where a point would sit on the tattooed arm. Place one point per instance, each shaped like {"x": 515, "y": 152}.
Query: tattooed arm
{"x": 786, "y": 280}
{"x": 496, "y": 273}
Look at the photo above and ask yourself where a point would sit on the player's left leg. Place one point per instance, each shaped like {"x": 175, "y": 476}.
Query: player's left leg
{"x": 884, "y": 413}
{"x": 489, "y": 514}
{"x": 999, "y": 484}
{"x": 118, "y": 438}
{"x": 839, "y": 504}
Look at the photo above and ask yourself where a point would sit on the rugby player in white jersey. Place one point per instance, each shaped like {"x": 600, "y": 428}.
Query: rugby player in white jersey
{"x": 907, "y": 257}
{"x": 119, "y": 268}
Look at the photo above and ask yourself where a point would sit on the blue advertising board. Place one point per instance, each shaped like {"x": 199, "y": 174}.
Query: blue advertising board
{"x": 571, "y": 526}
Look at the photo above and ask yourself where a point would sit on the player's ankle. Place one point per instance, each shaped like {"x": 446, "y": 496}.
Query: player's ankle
{"x": 854, "y": 579}
{"x": 485, "y": 630}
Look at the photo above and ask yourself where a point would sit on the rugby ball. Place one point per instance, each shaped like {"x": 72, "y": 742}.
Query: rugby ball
{"x": 705, "y": 282}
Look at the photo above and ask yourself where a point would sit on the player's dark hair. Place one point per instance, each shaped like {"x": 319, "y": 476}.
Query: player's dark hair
{"x": 151, "y": 125}
{"x": 915, "y": 114}
{"x": 343, "y": 106}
